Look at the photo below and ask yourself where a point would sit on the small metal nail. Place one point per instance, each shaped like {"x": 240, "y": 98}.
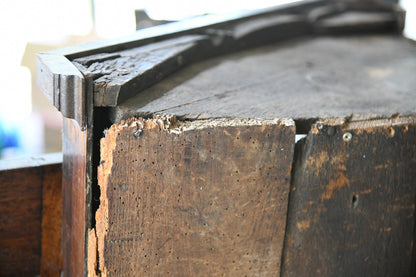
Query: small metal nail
{"x": 138, "y": 133}
{"x": 347, "y": 136}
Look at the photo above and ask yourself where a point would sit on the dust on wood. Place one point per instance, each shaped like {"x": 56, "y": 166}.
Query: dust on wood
{"x": 322, "y": 77}
{"x": 209, "y": 199}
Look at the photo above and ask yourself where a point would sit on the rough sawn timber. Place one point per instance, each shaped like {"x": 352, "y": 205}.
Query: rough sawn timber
{"x": 202, "y": 198}
{"x": 352, "y": 203}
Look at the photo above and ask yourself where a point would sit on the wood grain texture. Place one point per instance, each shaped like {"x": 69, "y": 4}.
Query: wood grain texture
{"x": 74, "y": 189}
{"x": 20, "y": 221}
{"x": 352, "y": 203}
{"x": 320, "y": 77}
{"x": 117, "y": 74}
{"x": 122, "y": 74}
{"x": 27, "y": 188}
{"x": 51, "y": 250}
{"x": 202, "y": 198}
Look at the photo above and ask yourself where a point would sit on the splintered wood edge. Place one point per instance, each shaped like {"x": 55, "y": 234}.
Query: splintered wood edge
{"x": 172, "y": 125}
{"x": 92, "y": 253}
{"x": 168, "y": 123}
{"x": 353, "y": 122}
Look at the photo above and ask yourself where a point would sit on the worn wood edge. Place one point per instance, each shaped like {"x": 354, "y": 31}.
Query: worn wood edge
{"x": 92, "y": 265}
{"x": 75, "y": 205}
{"x": 171, "y": 124}
{"x": 168, "y": 123}
{"x": 63, "y": 85}
{"x": 353, "y": 122}
{"x": 113, "y": 86}
{"x": 33, "y": 161}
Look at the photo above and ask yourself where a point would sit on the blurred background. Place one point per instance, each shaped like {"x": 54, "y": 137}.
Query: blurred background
{"x": 29, "y": 124}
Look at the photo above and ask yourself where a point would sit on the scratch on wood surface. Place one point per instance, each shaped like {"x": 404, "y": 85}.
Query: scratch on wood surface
{"x": 303, "y": 225}
{"x": 318, "y": 162}
{"x": 367, "y": 191}
{"x": 334, "y": 184}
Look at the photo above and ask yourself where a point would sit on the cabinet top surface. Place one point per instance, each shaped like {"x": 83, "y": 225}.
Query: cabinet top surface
{"x": 301, "y": 79}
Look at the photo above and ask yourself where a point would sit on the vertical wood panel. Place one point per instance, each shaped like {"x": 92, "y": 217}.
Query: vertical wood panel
{"x": 20, "y": 221}
{"x": 74, "y": 220}
{"x": 51, "y": 258}
{"x": 352, "y": 204}
{"x": 207, "y": 201}
{"x": 30, "y": 215}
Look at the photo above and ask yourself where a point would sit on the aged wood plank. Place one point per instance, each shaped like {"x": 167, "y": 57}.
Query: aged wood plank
{"x": 24, "y": 191}
{"x": 202, "y": 198}
{"x": 352, "y": 203}
{"x": 117, "y": 74}
{"x": 313, "y": 78}
{"x": 120, "y": 75}
{"x": 20, "y": 221}
{"x": 74, "y": 189}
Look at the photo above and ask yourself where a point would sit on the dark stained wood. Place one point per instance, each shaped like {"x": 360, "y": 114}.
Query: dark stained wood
{"x": 313, "y": 78}
{"x": 74, "y": 189}
{"x": 121, "y": 75}
{"x": 51, "y": 258}
{"x": 202, "y": 198}
{"x": 25, "y": 187}
{"x": 352, "y": 203}
{"x": 20, "y": 221}
{"x": 115, "y": 74}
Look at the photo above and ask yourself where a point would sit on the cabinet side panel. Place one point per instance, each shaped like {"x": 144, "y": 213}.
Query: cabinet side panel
{"x": 352, "y": 204}
{"x": 206, "y": 201}
{"x": 20, "y": 221}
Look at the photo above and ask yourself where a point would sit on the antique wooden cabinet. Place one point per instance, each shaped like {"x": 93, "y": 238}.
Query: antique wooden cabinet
{"x": 266, "y": 143}
{"x": 30, "y": 216}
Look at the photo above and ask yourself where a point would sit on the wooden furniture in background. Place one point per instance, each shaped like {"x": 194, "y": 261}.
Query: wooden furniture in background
{"x": 30, "y": 216}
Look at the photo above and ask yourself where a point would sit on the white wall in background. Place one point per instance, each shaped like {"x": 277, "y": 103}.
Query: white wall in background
{"x": 410, "y": 7}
